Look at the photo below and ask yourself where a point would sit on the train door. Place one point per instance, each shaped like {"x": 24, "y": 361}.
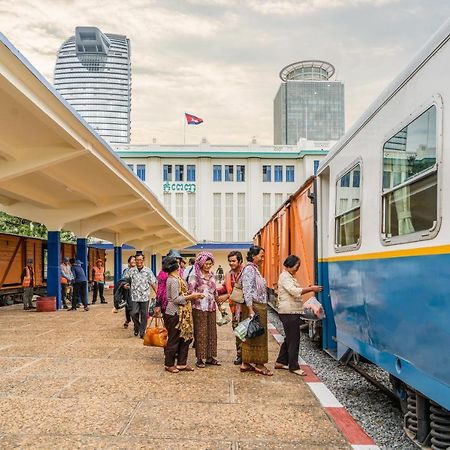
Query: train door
{"x": 323, "y": 239}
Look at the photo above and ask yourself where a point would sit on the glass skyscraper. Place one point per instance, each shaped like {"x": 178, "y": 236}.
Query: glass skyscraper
{"x": 308, "y": 104}
{"x": 93, "y": 73}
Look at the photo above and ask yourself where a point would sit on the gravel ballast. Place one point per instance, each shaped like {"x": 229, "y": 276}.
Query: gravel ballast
{"x": 379, "y": 416}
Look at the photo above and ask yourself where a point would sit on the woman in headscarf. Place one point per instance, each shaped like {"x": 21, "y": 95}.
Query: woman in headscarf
{"x": 204, "y": 310}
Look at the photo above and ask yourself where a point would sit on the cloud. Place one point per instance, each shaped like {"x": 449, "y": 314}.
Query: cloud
{"x": 220, "y": 59}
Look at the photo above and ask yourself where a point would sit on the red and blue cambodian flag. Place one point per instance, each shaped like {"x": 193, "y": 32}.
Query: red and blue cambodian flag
{"x": 193, "y": 120}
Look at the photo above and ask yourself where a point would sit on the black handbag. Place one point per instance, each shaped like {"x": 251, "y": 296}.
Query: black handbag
{"x": 255, "y": 328}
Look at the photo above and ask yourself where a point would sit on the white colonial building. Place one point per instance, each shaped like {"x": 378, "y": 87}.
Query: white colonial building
{"x": 223, "y": 193}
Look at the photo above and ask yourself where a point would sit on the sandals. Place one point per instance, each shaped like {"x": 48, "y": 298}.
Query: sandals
{"x": 185, "y": 368}
{"x": 281, "y": 366}
{"x": 200, "y": 364}
{"x": 172, "y": 369}
{"x": 213, "y": 362}
{"x": 264, "y": 371}
{"x": 299, "y": 372}
{"x": 249, "y": 368}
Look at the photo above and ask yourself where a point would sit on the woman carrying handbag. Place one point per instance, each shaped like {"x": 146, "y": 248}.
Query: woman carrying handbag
{"x": 177, "y": 318}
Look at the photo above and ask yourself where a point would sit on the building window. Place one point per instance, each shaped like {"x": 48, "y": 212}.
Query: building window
{"x": 217, "y": 216}
{"x": 241, "y": 219}
{"x": 140, "y": 171}
{"x": 240, "y": 173}
{"x": 167, "y": 172}
{"x": 131, "y": 167}
{"x": 348, "y": 210}
{"x": 290, "y": 174}
{"x": 278, "y": 200}
{"x": 266, "y": 207}
{"x": 316, "y": 166}
{"x": 179, "y": 210}
{"x": 179, "y": 172}
{"x": 229, "y": 218}
{"x": 229, "y": 173}
{"x": 190, "y": 172}
{"x": 410, "y": 194}
{"x": 267, "y": 173}
{"x": 217, "y": 173}
{"x": 278, "y": 173}
{"x": 167, "y": 200}
{"x": 191, "y": 212}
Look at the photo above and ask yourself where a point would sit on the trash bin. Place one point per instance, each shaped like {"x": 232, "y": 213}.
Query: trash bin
{"x": 46, "y": 304}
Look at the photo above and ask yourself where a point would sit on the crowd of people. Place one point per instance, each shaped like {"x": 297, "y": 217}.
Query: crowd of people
{"x": 187, "y": 298}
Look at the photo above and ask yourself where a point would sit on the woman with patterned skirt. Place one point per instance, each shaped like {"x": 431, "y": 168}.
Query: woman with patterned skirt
{"x": 204, "y": 310}
{"x": 177, "y": 318}
{"x": 255, "y": 352}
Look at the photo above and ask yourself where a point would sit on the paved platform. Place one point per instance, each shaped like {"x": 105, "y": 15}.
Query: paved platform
{"x": 79, "y": 380}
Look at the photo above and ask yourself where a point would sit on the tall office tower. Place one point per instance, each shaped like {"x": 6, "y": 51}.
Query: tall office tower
{"x": 93, "y": 73}
{"x": 308, "y": 104}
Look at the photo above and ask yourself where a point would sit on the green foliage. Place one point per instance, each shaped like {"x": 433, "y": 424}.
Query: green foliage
{"x": 24, "y": 227}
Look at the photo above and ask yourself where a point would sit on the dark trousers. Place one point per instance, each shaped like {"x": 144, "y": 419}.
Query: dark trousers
{"x": 139, "y": 313}
{"x": 79, "y": 293}
{"x": 177, "y": 348}
{"x": 63, "y": 293}
{"x": 289, "y": 349}
{"x": 98, "y": 290}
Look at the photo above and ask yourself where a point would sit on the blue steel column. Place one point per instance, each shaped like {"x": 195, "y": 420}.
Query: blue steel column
{"x": 82, "y": 255}
{"x": 153, "y": 264}
{"x": 54, "y": 266}
{"x": 117, "y": 264}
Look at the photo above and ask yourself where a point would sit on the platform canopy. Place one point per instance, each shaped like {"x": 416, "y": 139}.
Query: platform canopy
{"x": 56, "y": 170}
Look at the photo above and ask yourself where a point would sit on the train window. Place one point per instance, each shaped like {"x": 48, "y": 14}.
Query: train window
{"x": 410, "y": 179}
{"x": 348, "y": 207}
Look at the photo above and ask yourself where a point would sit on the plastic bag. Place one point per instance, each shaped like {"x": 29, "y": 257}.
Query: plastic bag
{"x": 222, "y": 317}
{"x": 255, "y": 328}
{"x": 156, "y": 336}
{"x": 313, "y": 310}
{"x": 151, "y": 307}
{"x": 241, "y": 329}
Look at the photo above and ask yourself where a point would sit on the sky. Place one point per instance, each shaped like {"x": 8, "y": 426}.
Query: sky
{"x": 220, "y": 59}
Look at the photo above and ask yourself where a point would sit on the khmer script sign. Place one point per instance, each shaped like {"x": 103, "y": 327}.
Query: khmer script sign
{"x": 179, "y": 187}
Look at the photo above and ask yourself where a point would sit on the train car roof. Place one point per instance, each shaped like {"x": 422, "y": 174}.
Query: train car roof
{"x": 432, "y": 46}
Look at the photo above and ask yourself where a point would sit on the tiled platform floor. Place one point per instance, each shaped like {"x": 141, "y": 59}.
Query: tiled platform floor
{"x": 79, "y": 380}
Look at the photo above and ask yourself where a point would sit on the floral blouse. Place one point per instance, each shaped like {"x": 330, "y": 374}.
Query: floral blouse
{"x": 254, "y": 286}
{"x": 207, "y": 286}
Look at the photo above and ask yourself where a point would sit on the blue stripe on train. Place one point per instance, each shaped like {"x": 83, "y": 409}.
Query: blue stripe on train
{"x": 396, "y": 313}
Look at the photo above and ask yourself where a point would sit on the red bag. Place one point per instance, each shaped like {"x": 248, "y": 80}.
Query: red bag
{"x": 156, "y": 336}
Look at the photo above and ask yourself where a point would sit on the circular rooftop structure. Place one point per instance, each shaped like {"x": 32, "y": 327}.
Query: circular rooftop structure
{"x": 309, "y": 70}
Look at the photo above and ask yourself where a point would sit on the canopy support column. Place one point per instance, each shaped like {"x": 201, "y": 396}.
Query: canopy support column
{"x": 54, "y": 266}
{"x": 117, "y": 264}
{"x": 82, "y": 255}
{"x": 153, "y": 264}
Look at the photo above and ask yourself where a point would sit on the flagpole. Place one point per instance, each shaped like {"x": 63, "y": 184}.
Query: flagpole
{"x": 184, "y": 130}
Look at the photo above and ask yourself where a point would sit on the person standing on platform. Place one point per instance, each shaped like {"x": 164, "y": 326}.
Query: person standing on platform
{"x": 28, "y": 282}
{"x": 189, "y": 270}
{"x": 255, "y": 352}
{"x": 204, "y": 310}
{"x": 177, "y": 318}
{"x": 98, "y": 275}
{"x": 79, "y": 286}
{"x": 161, "y": 294}
{"x": 219, "y": 274}
{"x": 125, "y": 274}
{"x": 235, "y": 261}
{"x": 66, "y": 280}
{"x": 142, "y": 279}
{"x": 289, "y": 310}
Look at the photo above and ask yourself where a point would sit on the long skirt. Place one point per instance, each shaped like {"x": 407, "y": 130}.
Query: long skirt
{"x": 205, "y": 334}
{"x": 256, "y": 350}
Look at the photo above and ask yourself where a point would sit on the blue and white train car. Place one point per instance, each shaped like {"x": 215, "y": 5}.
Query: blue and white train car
{"x": 384, "y": 239}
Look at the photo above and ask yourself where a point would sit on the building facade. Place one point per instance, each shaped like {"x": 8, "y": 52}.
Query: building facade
{"x": 93, "y": 73}
{"x": 222, "y": 194}
{"x": 308, "y": 104}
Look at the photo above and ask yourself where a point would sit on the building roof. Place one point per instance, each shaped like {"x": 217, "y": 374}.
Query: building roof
{"x": 55, "y": 169}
